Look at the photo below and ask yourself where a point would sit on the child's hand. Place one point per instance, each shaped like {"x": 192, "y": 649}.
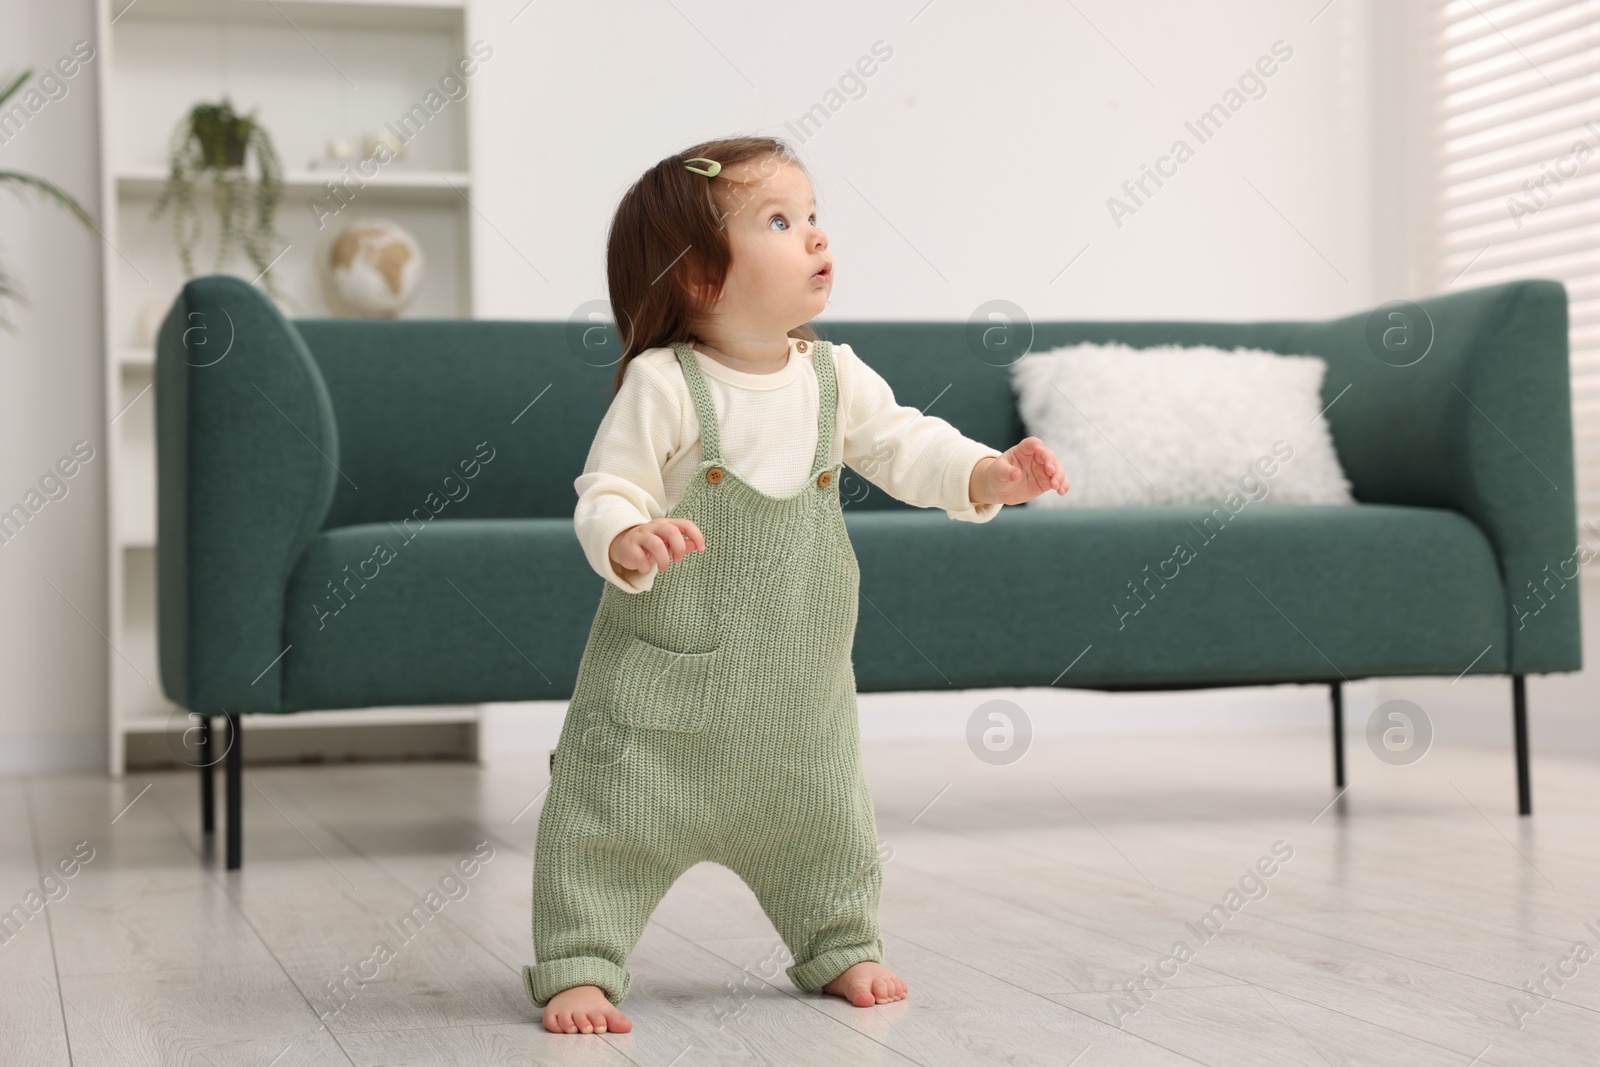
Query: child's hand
{"x": 661, "y": 540}
{"x": 1021, "y": 473}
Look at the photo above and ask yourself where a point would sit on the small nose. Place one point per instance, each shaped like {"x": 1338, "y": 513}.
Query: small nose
{"x": 819, "y": 239}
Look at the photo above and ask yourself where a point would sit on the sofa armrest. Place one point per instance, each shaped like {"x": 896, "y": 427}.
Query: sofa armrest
{"x": 1481, "y": 423}
{"x": 247, "y": 452}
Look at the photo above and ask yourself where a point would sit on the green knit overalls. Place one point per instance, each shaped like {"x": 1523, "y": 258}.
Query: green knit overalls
{"x": 713, "y": 718}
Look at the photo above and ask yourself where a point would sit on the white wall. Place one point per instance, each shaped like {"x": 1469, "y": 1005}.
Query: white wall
{"x": 52, "y": 575}
{"x": 977, "y": 163}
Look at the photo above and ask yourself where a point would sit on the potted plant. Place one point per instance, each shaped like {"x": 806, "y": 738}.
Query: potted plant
{"x": 10, "y": 287}
{"x": 213, "y": 138}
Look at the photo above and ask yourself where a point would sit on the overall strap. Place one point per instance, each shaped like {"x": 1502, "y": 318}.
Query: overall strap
{"x": 704, "y": 409}
{"x": 706, "y": 412}
{"x": 827, "y": 405}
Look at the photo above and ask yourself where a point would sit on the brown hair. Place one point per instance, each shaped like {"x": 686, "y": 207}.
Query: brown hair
{"x": 670, "y": 227}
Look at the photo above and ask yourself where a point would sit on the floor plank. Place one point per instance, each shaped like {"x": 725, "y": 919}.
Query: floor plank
{"x": 30, "y": 995}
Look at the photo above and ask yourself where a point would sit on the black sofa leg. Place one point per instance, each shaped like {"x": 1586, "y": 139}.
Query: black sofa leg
{"x": 1338, "y": 733}
{"x": 1519, "y": 721}
{"x": 208, "y": 806}
{"x": 235, "y": 793}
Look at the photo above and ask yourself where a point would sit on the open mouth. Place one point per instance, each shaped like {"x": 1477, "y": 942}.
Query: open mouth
{"x": 823, "y": 275}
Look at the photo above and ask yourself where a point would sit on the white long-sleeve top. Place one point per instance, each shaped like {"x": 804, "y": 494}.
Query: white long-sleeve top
{"x": 648, "y": 444}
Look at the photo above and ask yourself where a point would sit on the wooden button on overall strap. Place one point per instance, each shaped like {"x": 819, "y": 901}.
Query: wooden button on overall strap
{"x": 705, "y": 411}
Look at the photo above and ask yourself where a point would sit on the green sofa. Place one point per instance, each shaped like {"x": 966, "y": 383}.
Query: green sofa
{"x": 371, "y": 513}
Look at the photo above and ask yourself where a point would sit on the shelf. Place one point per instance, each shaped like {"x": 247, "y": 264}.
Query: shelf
{"x": 391, "y": 180}
{"x": 275, "y": 57}
{"x": 357, "y": 14}
{"x": 439, "y": 713}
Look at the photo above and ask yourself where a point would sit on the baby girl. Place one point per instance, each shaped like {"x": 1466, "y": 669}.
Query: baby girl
{"x": 713, "y": 717}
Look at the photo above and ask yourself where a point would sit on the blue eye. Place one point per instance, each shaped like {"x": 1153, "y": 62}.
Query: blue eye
{"x": 775, "y": 218}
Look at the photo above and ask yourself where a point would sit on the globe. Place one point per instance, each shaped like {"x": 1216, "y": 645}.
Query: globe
{"x": 370, "y": 269}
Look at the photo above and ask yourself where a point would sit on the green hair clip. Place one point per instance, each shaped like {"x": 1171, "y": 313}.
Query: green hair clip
{"x": 710, "y": 171}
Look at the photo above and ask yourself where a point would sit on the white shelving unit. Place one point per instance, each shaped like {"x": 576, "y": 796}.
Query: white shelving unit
{"x": 312, "y": 71}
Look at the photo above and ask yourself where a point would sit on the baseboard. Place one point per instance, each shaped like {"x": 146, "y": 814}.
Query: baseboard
{"x": 51, "y": 753}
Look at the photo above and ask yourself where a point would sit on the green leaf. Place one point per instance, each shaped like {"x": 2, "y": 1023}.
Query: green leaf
{"x": 15, "y": 85}
{"x": 46, "y": 186}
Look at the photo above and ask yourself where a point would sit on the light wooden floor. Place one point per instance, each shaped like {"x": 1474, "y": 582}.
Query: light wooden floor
{"x": 1016, "y": 901}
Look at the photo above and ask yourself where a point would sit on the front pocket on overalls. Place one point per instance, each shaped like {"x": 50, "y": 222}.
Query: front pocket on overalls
{"x": 658, "y": 689}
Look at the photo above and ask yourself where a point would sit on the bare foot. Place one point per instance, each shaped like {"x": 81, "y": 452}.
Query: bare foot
{"x": 867, "y": 983}
{"x": 584, "y": 1008}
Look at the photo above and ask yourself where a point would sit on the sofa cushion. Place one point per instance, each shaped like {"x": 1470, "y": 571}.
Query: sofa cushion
{"x": 1287, "y": 592}
{"x": 443, "y": 612}
{"x": 469, "y": 610}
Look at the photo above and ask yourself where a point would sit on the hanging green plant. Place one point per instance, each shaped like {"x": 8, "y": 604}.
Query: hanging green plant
{"x": 213, "y": 138}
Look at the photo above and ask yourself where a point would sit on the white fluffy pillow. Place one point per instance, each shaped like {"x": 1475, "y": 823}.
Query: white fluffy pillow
{"x": 1180, "y": 425}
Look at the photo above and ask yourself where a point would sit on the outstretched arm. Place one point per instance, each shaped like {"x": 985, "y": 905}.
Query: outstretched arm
{"x": 621, "y": 484}
{"x": 915, "y": 457}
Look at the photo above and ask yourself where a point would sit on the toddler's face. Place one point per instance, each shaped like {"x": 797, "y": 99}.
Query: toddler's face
{"x": 782, "y": 270}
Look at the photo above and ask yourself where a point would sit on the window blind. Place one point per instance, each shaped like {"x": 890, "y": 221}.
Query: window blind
{"x": 1514, "y": 90}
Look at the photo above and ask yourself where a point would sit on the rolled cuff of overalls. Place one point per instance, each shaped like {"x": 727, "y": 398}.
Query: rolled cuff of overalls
{"x": 544, "y": 980}
{"x": 812, "y": 975}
